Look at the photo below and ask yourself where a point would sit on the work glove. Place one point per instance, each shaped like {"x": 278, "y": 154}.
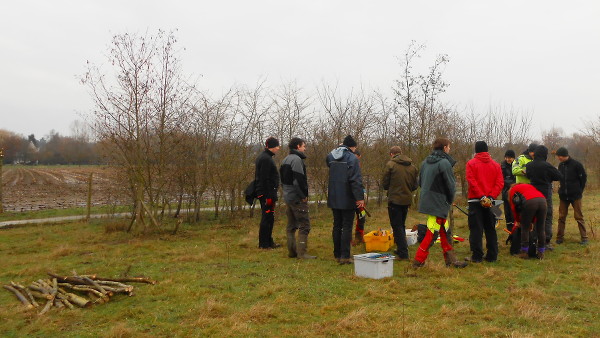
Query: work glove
{"x": 486, "y": 202}
{"x": 361, "y": 212}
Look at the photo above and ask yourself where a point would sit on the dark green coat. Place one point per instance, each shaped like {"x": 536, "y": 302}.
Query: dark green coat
{"x": 438, "y": 185}
{"x": 400, "y": 179}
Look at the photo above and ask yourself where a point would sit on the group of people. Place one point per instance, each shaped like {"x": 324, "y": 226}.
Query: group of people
{"x": 525, "y": 184}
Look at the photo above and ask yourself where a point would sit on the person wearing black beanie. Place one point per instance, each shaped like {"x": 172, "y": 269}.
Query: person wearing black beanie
{"x": 485, "y": 184}
{"x": 349, "y": 142}
{"x": 266, "y": 179}
{"x": 481, "y": 147}
{"x": 570, "y": 192}
{"x": 510, "y": 154}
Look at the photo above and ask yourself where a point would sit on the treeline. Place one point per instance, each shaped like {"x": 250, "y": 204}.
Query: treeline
{"x": 49, "y": 150}
{"x": 178, "y": 145}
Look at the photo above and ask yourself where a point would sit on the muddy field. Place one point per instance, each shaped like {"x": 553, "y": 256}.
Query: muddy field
{"x": 60, "y": 187}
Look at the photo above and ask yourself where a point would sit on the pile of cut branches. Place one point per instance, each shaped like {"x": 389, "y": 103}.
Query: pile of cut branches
{"x": 70, "y": 291}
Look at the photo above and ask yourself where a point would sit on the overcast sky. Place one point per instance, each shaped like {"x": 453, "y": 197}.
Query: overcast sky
{"x": 534, "y": 56}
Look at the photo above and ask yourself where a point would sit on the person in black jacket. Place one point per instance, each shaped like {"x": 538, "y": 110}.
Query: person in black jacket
{"x": 509, "y": 178}
{"x": 345, "y": 193}
{"x": 570, "y": 192}
{"x": 541, "y": 174}
{"x": 267, "y": 183}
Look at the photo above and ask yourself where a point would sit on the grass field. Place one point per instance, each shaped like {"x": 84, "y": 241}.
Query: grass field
{"x": 213, "y": 281}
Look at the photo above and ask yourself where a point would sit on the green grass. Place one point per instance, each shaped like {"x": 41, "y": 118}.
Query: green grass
{"x": 213, "y": 281}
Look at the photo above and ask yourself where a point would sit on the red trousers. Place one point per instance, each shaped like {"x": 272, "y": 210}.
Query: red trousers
{"x": 429, "y": 240}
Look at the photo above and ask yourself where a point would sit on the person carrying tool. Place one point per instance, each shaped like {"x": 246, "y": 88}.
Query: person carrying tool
{"x": 438, "y": 187}
{"x": 509, "y": 179}
{"x": 528, "y": 206}
{"x": 485, "y": 183}
{"x": 361, "y": 214}
{"x": 400, "y": 180}
{"x": 267, "y": 183}
{"x": 345, "y": 193}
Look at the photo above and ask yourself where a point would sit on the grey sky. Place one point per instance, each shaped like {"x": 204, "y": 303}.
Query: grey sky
{"x": 535, "y": 56}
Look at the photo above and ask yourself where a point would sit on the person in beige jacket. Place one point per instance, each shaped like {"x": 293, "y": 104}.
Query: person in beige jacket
{"x": 400, "y": 180}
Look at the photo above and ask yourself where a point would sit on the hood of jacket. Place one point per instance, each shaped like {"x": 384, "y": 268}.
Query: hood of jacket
{"x": 402, "y": 159}
{"x": 483, "y": 156}
{"x": 438, "y": 155}
{"x": 338, "y": 152}
{"x": 540, "y": 154}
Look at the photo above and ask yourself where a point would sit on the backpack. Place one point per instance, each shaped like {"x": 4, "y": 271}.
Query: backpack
{"x": 250, "y": 192}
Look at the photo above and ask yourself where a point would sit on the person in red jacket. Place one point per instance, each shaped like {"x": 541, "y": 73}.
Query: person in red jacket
{"x": 528, "y": 205}
{"x": 485, "y": 184}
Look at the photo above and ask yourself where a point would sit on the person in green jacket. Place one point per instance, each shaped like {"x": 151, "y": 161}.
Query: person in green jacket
{"x": 518, "y": 166}
{"x": 400, "y": 180}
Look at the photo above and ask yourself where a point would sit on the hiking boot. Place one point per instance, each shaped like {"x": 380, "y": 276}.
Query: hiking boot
{"x": 540, "y": 255}
{"x": 344, "y": 261}
{"x": 559, "y": 241}
{"x": 416, "y": 264}
{"x": 301, "y": 247}
{"x": 549, "y": 247}
{"x": 452, "y": 261}
{"x": 472, "y": 260}
{"x": 523, "y": 255}
{"x": 291, "y": 244}
{"x": 399, "y": 256}
{"x": 584, "y": 242}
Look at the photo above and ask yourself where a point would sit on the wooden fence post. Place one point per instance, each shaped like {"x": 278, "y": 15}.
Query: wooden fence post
{"x": 89, "y": 198}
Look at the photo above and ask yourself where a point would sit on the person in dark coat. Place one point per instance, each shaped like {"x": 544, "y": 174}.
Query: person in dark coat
{"x": 570, "y": 192}
{"x": 400, "y": 180}
{"x": 541, "y": 174}
{"x": 345, "y": 193}
{"x": 438, "y": 186}
{"x": 509, "y": 178}
{"x": 267, "y": 183}
{"x": 295, "y": 193}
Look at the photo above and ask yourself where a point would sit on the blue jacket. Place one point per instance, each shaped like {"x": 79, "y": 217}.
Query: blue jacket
{"x": 345, "y": 179}
{"x": 438, "y": 185}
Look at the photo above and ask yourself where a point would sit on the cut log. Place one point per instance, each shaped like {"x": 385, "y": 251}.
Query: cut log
{"x": 40, "y": 295}
{"x": 127, "y": 280}
{"x": 47, "y": 306}
{"x": 26, "y": 291}
{"x": 19, "y": 296}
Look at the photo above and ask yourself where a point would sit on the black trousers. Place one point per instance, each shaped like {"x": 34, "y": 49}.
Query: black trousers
{"x": 342, "y": 232}
{"x": 397, "y": 215}
{"x": 482, "y": 221}
{"x": 533, "y": 208}
{"x": 267, "y": 219}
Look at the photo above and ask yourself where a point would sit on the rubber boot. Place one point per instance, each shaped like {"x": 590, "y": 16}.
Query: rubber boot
{"x": 451, "y": 260}
{"x": 301, "y": 247}
{"x": 291, "y": 244}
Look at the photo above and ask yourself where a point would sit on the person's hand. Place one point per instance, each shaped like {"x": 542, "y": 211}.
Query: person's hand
{"x": 304, "y": 200}
{"x": 360, "y": 204}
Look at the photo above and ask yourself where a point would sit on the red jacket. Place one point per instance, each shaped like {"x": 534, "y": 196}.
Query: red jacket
{"x": 484, "y": 176}
{"x": 528, "y": 191}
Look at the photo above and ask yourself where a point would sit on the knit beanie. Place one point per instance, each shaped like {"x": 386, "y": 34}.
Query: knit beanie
{"x": 509, "y": 153}
{"x": 562, "y": 151}
{"x": 532, "y": 147}
{"x": 481, "y": 146}
{"x": 272, "y": 143}
{"x": 349, "y": 141}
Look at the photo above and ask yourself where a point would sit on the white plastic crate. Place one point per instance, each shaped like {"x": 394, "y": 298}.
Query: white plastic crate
{"x": 411, "y": 237}
{"x": 374, "y": 265}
